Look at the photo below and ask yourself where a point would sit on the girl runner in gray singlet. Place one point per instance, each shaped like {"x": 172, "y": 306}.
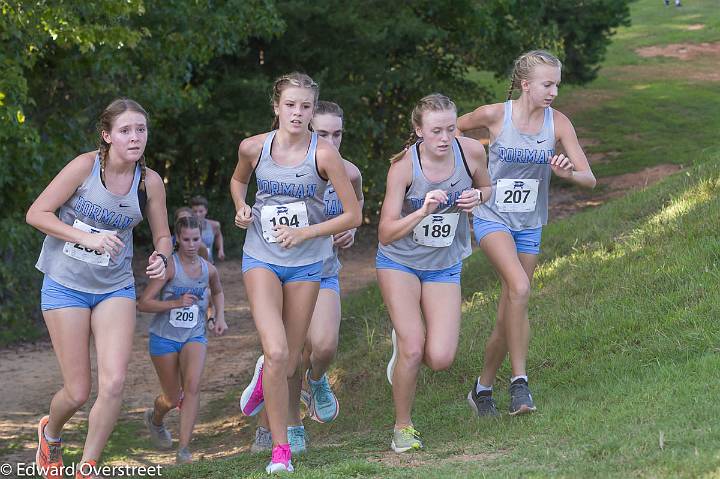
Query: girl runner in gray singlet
{"x": 89, "y": 285}
{"x": 523, "y": 135}
{"x": 287, "y": 239}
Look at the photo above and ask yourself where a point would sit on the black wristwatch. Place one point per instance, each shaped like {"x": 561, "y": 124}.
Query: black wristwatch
{"x": 164, "y": 258}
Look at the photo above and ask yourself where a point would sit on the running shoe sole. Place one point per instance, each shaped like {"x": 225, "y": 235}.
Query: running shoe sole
{"x": 247, "y": 393}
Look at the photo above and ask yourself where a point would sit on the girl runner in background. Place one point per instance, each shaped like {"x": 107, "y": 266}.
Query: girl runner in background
{"x": 424, "y": 235}
{"x": 287, "y": 240}
{"x": 177, "y": 340}
{"x": 523, "y": 136}
{"x": 89, "y": 288}
{"x": 211, "y": 233}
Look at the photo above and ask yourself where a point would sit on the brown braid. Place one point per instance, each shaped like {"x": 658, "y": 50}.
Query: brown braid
{"x": 143, "y": 170}
{"x": 524, "y": 65}
{"x": 433, "y": 102}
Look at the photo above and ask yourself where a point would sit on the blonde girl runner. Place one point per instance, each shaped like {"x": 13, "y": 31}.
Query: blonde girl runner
{"x": 287, "y": 240}
{"x": 177, "y": 341}
{"x": 88, "y": 288}
{"x": 322, "y": 340}
{"x": 523, "y": 138}
{"x": 424, "y": 235}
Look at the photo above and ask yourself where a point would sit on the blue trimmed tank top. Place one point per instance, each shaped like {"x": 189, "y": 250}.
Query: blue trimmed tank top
{"x": 406, "y": 251}
{"x": 279, "y": 185}
{"x": 516, "y": 155}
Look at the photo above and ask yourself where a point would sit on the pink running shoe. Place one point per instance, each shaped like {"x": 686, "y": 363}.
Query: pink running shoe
{"x": 280, "y": 461}
{"x": 252, "y": 399}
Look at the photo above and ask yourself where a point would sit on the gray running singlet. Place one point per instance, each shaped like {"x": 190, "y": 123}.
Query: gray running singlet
{"x": 517, "y": 156}
{"x": 278, "y": 187}
{"x": 208, "y": 238}
{"x": 181, "y": 324}
{"x": 81, "y": 269}
{"x": 408, "y": 252}
{"x": 333, "y": 208}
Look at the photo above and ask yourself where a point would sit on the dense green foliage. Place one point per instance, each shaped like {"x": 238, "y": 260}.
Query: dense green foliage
{"x": 204, "y": 69}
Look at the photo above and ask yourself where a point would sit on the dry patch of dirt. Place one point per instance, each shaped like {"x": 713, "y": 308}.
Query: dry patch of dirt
{"x": 696, "y": 26}
{"x": 681, "y": 51}
{"x": 565, "y": 201}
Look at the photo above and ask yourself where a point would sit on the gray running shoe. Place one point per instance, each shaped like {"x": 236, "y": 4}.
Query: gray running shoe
{"x": 521, "y": 401}
{"x": 297, "y": 437}
{"x": 406, "y": 439}
{"x": 482, "y": 404}
{"x": 183, "y": 456}
{"x": 159, "y": 436}
{"x": 263, "y": 440}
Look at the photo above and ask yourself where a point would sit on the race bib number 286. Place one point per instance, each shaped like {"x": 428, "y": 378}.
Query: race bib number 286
{"x": 80, "y": 252}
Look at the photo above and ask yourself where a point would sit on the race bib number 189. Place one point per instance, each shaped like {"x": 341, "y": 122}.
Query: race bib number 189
{"x": 78, "y": 251}
{"x": 518, "y": 196}
{"x": 437, "y": 230}
{"x": 291, "y": 214}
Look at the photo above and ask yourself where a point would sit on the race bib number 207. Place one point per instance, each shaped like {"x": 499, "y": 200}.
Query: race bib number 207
{"x": 516, "y": 195}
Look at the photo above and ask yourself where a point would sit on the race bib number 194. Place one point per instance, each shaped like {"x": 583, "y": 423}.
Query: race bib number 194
{"x": 80, "y": 252}
{"x": 516, "y": 195}
{"x": 291, "y": 214}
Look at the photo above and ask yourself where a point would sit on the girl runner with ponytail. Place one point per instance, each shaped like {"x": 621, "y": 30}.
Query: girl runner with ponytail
{"x": 89, "y": 288}
{"x": 424, "y": 235}
{"x": 177, "y": 334}
{"x": 287, "y": 240}
{"x": 523, "y": 137}
{"x": 322, "y": 339}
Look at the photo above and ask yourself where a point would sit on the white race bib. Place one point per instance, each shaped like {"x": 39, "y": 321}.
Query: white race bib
{"x": 185, "y": 317}
{"x": 292, "y": 214}
{"x": 519, "y": 195}
{"x": 436, "y": 230}
{"x": 78, "y": 251}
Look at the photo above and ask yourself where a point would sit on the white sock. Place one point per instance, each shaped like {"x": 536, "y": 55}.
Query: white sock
{"x": 515, "y": 378}
{"x": 50, "y": 439}
{"x": 480, "y": 387}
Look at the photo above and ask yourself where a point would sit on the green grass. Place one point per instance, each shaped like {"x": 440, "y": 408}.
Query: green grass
{"x": 624, "y": 311}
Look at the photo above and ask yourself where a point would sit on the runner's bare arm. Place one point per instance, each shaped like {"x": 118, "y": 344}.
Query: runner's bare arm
{"x": 329, "y": 165}
{"x": 218, "y": 300}
{"x": 392, "y": 227}
{"x": 248, "y": 154}
{"x": 578, "y": 171}
{"x": 41, "y": 213}
{"x": 477, "y": 163}
{"x": 149, "y": 302}
{"x": 485, "y": 116}
{"x": 156, "y": 211}
{"x": 347, "y": 238}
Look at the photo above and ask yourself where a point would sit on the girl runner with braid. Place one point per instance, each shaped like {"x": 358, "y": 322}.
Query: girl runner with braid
{"x": 287, "y": 240}
{"x": 89, "y": 288}
{"x": 177, "y": 334}
{"x": 523, "y": 137}
{"x": 424, "y": 235}
{"x": 322, "y": 340}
